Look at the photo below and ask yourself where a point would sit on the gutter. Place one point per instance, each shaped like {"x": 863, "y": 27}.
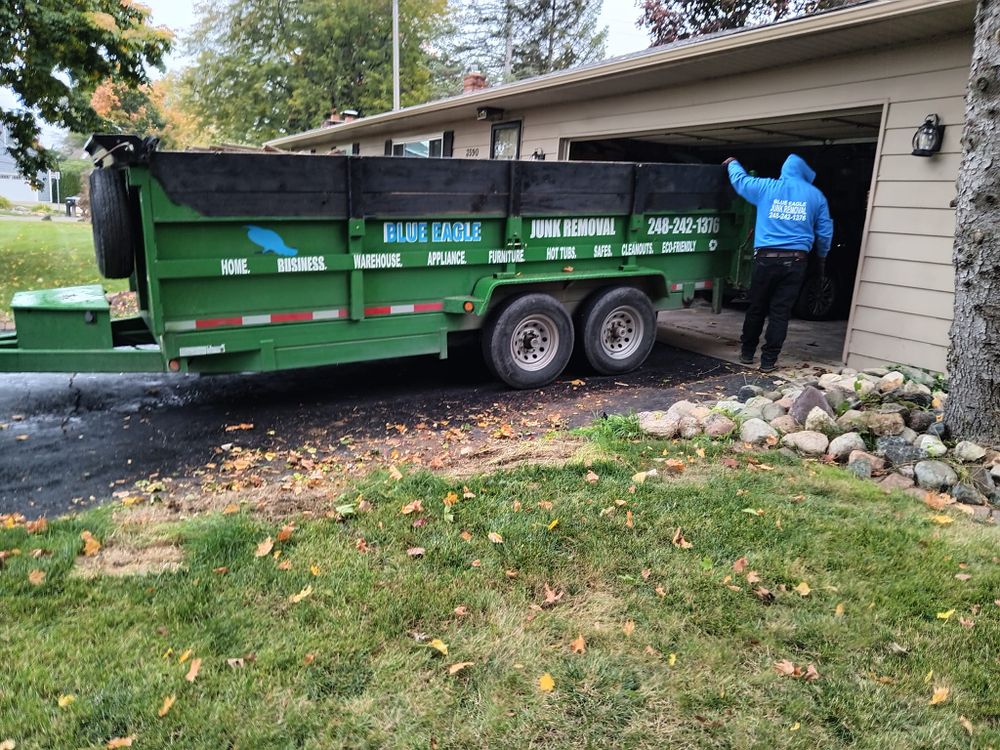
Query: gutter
{"x": 877, "y": 10}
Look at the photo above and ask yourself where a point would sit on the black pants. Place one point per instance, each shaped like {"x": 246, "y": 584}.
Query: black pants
{"x": 774, "y": 287}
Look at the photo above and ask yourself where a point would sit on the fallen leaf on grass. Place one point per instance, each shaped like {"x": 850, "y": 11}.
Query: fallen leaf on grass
{"x": 38, "y": 526}
{"x": 942, "y": 519}
{"x": 672, "y": 659}
{"x": 395, "y": 473}
{"x": 946, "y": 615}
{"x": 680, "y": 541}
{"x": 966, "y": 724}
{"x": 629, "y": 627}
{"x": 192, "y": 673}
{"x": 236, "y": 663}
{"x": 416, "y": 551}
{"x": 802, "y": 589}
{"x": 285, "y": 565}
{"x": 660, "y": 591}
{"x": 785, "y": 668}
{"x": 120, "y": 742}
{"x": 962, "y": 576}
{"x": 966, "y": 623}
{"x": 361, "y": 545}
{"x": 286, "y": 532}
{"x": 740, "y": 565}
{"x": 416, "y": 506}
{"x": 185, "y": 656}
{"x": 296, "y": 598}
{"x": 753, "y": 577}
{"x": 230, "y": 509}
{"x": 940, "y": 696}
{"x": 36, "y": 577}
{"x": 65, "y": 701}
{"x": 650, "y": 651}
{"x": 90, "y": 545}
{"x": 753, "y": 511}
{"x": 167, "y": 703}
{"x": 839, "y": 611}
{"x": 578, "y": 645}
{"x": 591, "y": 478}
{"x": 264, "y": 548}
{"x": 551, "y": 596}
{"x": 438, "y": 645}
{"x": 629, "y": 521}
{"x": 640, "y": 477}
{"x": 730, "y": 463}
{"x": 450, "y": 499}
{"x": 546, "y": 684}
{"x": 239, "y": 427}
{"x": 459, "y": 666}
{"x": 314, "y": 569}
{"x": 8, "y": 745}
{"x": 495, "y": 537}
{"x": 308, "y": 659}
{"x": 764, "y": 595}
{"x": 552, "y": 524}
{"x": 674, "y": 465}
{"x": 466, "y": 536}
{"x": 461, "y": 610}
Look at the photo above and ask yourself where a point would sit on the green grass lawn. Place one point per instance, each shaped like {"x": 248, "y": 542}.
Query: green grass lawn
{"x": 678, "y": 650}
{"x": 37, "y": 254}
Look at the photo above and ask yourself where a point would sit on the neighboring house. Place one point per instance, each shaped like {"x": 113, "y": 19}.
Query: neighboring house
{"x": 847, "y": 89}
{"x": 15, "y": 188}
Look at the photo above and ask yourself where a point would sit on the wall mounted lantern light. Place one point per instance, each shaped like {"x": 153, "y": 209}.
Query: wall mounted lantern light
{"x": 927, "y": 139}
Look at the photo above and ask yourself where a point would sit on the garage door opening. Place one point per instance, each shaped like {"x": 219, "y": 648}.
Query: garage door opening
{"x": 840, "y": 146}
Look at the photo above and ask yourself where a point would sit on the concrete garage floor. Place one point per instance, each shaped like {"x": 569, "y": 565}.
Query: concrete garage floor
{"x": 697, "y": 329}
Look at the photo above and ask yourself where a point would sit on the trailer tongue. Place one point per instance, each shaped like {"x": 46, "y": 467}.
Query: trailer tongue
{"x": 253, "y": 262}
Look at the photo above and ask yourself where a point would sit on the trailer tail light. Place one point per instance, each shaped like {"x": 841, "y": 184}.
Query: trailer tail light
{"x": 468, "y": 307}
{"x": 174, "y": 365}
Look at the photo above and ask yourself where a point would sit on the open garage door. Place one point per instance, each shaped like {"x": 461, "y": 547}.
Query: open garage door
{"x": 839, "y": 145}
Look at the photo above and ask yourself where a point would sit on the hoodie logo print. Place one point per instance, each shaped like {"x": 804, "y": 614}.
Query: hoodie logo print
{"x": 785, "y": 210}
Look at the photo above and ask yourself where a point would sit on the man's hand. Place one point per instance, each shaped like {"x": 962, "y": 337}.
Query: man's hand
{"x": 821, "y": 265}
{"x": 729, "y": 161}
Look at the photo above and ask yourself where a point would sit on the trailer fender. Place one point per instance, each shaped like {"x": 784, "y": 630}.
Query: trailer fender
{"x": 485, "y": 290}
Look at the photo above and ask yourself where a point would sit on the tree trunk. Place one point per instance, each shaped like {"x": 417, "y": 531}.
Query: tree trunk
{"x": 973, "y": 409}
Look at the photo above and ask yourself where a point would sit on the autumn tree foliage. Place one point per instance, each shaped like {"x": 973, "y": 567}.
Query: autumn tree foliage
{"x": 55, "y": 54}
{"x": 673, "y": 20}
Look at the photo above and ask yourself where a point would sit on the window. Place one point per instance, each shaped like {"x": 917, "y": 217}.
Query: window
{"x": 423, "y": 148}
{"x": 505, "y": 142}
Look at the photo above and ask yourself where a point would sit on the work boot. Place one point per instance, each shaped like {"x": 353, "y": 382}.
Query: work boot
{"x": 745, "y": 358}
{"x": 768, "y": 366}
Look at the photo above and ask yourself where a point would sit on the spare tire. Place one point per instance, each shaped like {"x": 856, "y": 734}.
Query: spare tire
{"x": 115, "y": 235}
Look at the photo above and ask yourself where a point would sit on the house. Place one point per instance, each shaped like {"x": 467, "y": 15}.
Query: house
{"x": 14, "y": 187}
{"x": 847, "y": 89}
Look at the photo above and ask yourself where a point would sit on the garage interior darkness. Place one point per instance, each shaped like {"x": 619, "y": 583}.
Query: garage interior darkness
{"x": 839, "y": 145}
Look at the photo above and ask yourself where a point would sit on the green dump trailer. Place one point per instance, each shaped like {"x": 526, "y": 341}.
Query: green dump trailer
{"x": 246, "y": 262}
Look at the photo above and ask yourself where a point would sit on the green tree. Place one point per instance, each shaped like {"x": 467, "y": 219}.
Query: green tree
{"x": 510, "y": 39}
{"x": 55, "y": 53}
{"x": 266, "y": 68}
{"x": 672, "y": 20}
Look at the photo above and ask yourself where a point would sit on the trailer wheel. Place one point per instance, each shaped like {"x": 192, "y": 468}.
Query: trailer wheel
{"x": 617, "y": 329}
{"x": 528, "y": 342}
{"x": 115, "y": 238}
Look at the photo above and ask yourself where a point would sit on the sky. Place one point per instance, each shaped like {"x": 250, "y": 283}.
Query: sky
{"x": 618, "y": 15}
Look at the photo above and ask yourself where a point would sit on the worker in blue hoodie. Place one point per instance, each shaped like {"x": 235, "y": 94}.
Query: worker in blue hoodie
{"x": 793, "y": 219}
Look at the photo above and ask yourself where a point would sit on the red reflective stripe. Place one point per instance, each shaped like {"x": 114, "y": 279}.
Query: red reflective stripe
{"x": 706, "y": 285}
{"x": 378, "y": 310}
{"x": 428, "y": 307}
{"x": 290, "y": 317}
{"x": 218, "y": 322}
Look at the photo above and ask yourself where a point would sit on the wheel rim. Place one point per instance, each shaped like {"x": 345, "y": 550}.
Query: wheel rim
{"x": 534, "y": 343}
{"x": 820, "y": 296}
{"x": 622, "y": 332}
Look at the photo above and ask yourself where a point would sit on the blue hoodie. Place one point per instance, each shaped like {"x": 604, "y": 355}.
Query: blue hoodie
{"x": 791, "y": 212}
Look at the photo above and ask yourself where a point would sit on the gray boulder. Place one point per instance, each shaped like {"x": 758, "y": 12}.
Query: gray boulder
{"x": 968, "y": 452}
{"x": 829, "y": 380}
{"x": 810, "y": 398}
{"x": 820, "y": 421}
{"x": 852, "y": 420}
{"x": 918, "y": 376}
{"x": 772, "y": 411}
{"x": 861, "y": 468}
{"x": 895, "y": 481}
{"x": 897, "y": 452}
{"x": 843, "y": 445}
{"x": 909, "y": 435}
{"x": 931, "y": 446}
{"x": 688, "y": 427}
{"x": 747, "y": 392}
{"x": 730, "y": 407}
{"x": 876, "y": 371}
{"x": 756, "y": 432}
{"x": 658, "y": 423}
{"x": 938, "y": 429}
{"x": 807, "y": 442}
{"x": 878, "y": 464}
{"x": 916, "y": 393}
{"x": 891, "y": 381}
{"x": 836, "y": 396}
{"x": 785, "y": 424}
{"x": 935, "y": 475}
{"x": 772, "y": 395}
{"x": 919, "y": 420}
{"x": 965, "y": 493}
{"x": 681, "y": 408}
{"x": 884, "y": 424}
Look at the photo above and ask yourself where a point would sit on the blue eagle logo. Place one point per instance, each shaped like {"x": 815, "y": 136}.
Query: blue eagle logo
{"x": 269, "y": 241}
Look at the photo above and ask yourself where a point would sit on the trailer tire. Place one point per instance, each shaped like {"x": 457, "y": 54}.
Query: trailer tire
{"x": 617, "y": 329}
{"x": 528, "y": 342}
{"x": 115, "y": 237}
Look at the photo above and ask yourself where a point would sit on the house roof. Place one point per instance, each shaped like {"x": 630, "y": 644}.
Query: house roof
{"x": 876, "y": 23}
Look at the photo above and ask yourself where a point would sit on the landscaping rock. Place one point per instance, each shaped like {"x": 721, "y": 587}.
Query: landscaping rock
{"x": 688, "y": 427}
{"x": 808, "y": 442}
{"x": 916, "y": 393}
{"x": 809, "y": 399}
{"x": 935, "y": 475}
{"x": 878, "y": 372}
{"x": 891, "y": 381}
{"x": 718, "y": 425}
{"x": 772, "y": 395}
{"x": 895, "y": 481}
{"x": 940, "y": 399}
{"x": 982, "y": 480}
{"x": 918, "y": 376}
{"x": 897, "y": 452}
{"x": 747, "y": 392}
{"x": 884, "y": 424}
{"x": 788, "y": 453}
{"x": 700, "y": 413}
{"x": 938, "y": 429}
{"x": 842, "y": 446}
{"x": 754, "y": 407}
{"x": 785, "y": 402}
{"x": 820, "y": 421}
{"x": 852, "y": 420}
{"x": 964, "y": 493}
{"x": 878, "y": 464}
{"x": 861, "y": 468}
{"x": 772, "y": 411}
{"x": 681, "y": 409}
{"x": 860, "y": 386}
{"x": 836, "y": 396}
{"x": 756, "y": 432}
{"x": 829, "y": 380}
{"x": 968, "y": 452}
{"x": 919, "y": 420}
{"x": 909, "y": 435}
{"x": 893, "y": 408}
{"x": 995, "y": 472}
{"x": 730, "y": 407}
{"x": 658, "y": 423}
{"x": 785, "y": 424}
{"x": 847, "y": 371}
{"x": 931, "y": 446}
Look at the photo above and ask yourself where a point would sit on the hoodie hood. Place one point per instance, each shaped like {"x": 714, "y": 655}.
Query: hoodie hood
{"x": 795, "y": 167}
